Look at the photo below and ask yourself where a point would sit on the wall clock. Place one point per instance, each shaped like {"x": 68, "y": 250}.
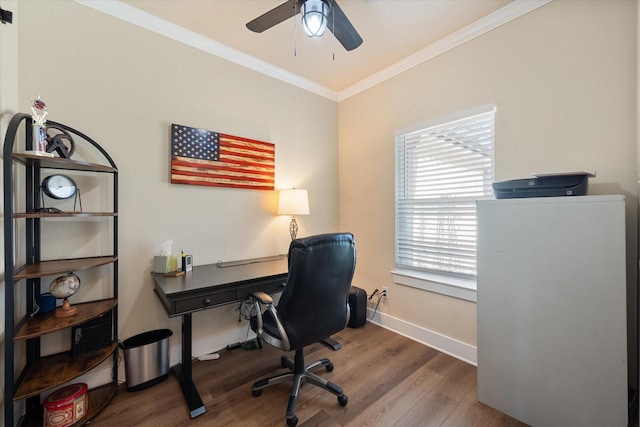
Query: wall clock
{"x": 59, "y": 186}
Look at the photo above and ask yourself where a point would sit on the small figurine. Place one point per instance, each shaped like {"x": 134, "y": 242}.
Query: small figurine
{"x": 39, "y": 114}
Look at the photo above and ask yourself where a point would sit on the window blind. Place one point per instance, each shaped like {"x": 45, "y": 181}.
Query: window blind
{"x": 441, "y": 171}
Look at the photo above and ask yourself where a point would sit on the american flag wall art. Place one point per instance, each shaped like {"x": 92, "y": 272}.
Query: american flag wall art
{"x": 203, "y": 157}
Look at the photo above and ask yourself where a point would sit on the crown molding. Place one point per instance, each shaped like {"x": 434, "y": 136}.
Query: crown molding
{"x": 150, "y": 22}
{"x": 180, "y": 34}
{"x": 484, "y": 25}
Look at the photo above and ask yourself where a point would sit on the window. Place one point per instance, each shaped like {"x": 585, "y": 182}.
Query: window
{"x": 442, "y": 168}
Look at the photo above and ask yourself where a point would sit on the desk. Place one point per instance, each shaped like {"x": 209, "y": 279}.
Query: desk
{"x": 208, "y": 286}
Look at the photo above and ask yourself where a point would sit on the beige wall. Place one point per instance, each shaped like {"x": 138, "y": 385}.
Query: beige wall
{"x": 124, "y": 86}
{"x": 563, "y": 81}
{"x": 8, "y": 106}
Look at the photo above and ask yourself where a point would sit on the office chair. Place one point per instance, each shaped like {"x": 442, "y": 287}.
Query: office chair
{"x": 312, "y": 307}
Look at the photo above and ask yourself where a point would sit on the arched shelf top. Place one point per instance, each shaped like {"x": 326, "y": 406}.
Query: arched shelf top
{"x": 53, "y": 162}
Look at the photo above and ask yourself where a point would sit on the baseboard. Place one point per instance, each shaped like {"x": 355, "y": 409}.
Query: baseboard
{"x": 211, "y": 343}
{"x": 458, "y": 349}
{"x": 217, "y": 342}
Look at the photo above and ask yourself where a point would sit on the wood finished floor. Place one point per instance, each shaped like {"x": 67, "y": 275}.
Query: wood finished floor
{"x": 389, "y": 379}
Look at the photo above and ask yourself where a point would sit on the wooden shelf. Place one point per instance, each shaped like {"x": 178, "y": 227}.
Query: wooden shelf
{"x": 50, "y": 371}
{"x": 48, "y": 268}
{"x": 60, "y": 163}
{"x": 97, "y": 399}
{"x": 42, "y": 324}
{"x": 63, "y": 214}
{"x": 29, "y": 375}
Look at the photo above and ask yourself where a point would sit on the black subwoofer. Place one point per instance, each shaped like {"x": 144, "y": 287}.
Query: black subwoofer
{"x": 92, "y": 335}
{"x": 358, "y": 307}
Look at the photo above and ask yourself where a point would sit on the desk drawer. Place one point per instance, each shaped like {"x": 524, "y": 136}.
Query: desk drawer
{"x": 200, "y": 302}
{"x": 269, "y": 287}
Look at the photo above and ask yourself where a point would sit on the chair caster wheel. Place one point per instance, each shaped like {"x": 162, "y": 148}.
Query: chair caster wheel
{"x": 292, "y": 422}
{"x": 329, "y": 367}
{"x": 256, "y": 393}
{"x": 343, "y": 399}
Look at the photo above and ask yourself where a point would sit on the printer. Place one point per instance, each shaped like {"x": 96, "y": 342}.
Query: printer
{"x": 544, "y": 185}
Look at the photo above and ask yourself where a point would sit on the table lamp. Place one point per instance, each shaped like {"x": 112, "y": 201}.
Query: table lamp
{"x": 293, "y": 202}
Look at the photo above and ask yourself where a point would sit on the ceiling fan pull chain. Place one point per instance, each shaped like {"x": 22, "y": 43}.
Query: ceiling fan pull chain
{"x": 295, "y": 30}
{"x": 333, "y": 31}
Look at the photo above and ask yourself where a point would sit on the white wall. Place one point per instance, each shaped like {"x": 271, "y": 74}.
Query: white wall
{"x": 8, "y": 106}
{"x": 124, "y": 86}
{"x": 563, "y": 80}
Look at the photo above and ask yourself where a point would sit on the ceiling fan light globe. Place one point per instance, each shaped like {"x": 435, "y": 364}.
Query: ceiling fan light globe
{"x": 314, "y": 17}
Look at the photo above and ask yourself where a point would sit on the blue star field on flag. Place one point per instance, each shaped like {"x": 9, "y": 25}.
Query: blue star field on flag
{"x": 195, "y": 143}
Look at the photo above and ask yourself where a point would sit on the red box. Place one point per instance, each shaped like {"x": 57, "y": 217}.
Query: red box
{"x": 65, "y": 406}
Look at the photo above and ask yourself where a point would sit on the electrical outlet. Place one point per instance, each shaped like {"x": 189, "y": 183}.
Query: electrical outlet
{"x": 385, "y": 292}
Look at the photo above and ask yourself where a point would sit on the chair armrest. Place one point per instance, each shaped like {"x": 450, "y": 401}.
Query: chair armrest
{"x": 263, "y": 298}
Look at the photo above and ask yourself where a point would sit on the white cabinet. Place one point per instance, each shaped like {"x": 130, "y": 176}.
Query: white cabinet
{"x": 552, "y": 322}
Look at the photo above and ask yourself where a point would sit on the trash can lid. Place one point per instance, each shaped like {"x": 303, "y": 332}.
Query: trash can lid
{"x": 146, "y": 338}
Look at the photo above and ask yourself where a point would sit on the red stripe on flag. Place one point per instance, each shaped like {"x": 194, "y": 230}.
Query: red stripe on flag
{"x": 259, "y": 170}
{"x": 222, "y": 173}
{"x": 218, "y": 182}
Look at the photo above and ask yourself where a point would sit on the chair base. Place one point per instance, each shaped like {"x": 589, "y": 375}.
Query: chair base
{"x": 299, "y": 374}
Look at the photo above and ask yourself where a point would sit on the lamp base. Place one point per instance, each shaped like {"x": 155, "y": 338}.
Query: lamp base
{"x": 66, "y": 310}
{"x": 293, "y": 228}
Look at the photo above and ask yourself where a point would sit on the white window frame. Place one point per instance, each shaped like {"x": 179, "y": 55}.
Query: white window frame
{"x": 447, "y": 283}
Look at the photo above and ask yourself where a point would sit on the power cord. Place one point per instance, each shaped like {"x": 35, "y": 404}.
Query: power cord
{"x": 246, "y": 310}
{"x": 117, "y": 362}
{"x": 380, "y": 296}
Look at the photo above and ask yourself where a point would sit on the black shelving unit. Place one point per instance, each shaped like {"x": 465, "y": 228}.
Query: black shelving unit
{"x": 28, "y": 374}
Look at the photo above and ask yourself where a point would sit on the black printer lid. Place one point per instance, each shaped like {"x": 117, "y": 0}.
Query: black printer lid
{"x": 544, "y": 185}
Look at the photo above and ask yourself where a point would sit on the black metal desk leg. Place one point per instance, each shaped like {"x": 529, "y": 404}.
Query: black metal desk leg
{"x": 335, "y": 345}
{"x": 183, "y": 371}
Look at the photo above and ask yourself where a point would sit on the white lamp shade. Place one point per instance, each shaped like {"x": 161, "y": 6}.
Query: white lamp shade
{"x": 293, "y": 202}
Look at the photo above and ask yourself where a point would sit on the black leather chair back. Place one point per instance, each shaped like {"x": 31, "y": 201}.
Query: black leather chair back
{"x": 313, "y": 305}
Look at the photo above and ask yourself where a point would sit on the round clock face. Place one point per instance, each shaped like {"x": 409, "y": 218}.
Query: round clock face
{"x": 59, "y": 186}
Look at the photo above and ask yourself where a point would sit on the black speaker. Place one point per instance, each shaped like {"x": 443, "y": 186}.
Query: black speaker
{"x": 92, "y": 335}
{"x": 357, "y": 307}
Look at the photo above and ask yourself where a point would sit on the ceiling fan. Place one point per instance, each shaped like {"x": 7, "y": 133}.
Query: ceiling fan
{"x": 316, "y": 16}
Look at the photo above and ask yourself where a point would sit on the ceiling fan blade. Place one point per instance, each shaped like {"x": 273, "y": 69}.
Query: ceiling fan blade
{"x": 274, "y": 16}
{"x": 342, "y": 29}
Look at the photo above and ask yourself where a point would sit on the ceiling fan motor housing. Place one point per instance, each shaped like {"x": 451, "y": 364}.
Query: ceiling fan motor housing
{"x": 314, "y": 17}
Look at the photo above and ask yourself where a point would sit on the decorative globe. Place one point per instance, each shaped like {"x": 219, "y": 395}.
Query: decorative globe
{"x": 62, "y": 288}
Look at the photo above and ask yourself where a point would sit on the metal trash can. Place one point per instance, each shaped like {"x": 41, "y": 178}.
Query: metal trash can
{"x": 146, "y": 358}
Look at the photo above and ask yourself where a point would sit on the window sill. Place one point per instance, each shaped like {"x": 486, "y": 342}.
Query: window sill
{"x": 450, "y": 286}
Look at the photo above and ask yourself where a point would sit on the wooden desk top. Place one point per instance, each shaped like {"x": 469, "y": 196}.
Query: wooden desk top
{"x": 211, "y": 285}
